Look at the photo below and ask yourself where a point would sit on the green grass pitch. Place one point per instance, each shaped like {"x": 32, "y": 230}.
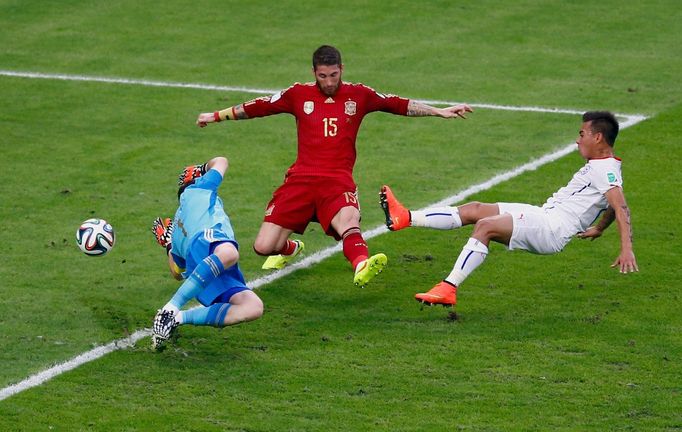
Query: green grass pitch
{"x": 542, "y": 343}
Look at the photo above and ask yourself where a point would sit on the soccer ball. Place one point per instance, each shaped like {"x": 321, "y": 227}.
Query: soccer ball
{"x": 95, "y": 237}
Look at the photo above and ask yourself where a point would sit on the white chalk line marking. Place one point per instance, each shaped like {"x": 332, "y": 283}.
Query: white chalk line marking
{"x": 198, "y": 86}
{"x": 100, "y": 351}
{"x": 93, "y": 354}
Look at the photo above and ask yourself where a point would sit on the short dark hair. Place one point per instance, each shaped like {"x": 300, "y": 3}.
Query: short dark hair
{"x": 326, "y": 55}
{"x": 605, "y": 123}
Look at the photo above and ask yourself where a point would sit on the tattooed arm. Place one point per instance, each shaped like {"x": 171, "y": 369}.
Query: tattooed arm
{"x": 618, "y": 210}
{"x": 233, "y": 113}
{"x": 626, "y": 261}
{"x": 280, "y": 102}
{"x": 418, "y": 109}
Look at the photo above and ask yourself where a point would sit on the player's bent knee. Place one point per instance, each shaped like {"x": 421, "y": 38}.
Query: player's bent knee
{"x": 485, "y": 228}
{"x": 227, "y": 253}
{"x": 469, "y": 212}
{"x": 248, "y": 311}
{"x": 262, "y": 251}
{"x": 264, "y": 248}
{"x": 255, "y": 309}
{"x": 249, "y": 303}
{"x": 475, "y": 211}
{"x": 267, "y": 246}
{"x": 498, "y": 228}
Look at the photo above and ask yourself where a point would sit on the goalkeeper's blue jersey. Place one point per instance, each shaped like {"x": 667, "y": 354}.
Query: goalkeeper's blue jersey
{"x": 200, "y": 209}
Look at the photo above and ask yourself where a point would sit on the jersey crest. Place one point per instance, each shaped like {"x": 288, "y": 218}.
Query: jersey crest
{"x": 350, "y": 108}
{"x": 308, "y": 107}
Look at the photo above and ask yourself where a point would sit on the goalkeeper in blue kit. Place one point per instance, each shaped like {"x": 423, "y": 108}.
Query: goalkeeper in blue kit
{"x": 202, "y": 251}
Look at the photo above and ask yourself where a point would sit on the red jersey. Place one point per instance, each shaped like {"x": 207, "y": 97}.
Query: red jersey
{"x": 327, "y": 125}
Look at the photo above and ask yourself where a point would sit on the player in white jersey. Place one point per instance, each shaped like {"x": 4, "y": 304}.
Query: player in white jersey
{"x": 597, "y": 188}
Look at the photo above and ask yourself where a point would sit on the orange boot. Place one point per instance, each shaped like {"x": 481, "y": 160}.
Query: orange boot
{"x": 397, "y": 216}
{"x": 444, "y": 293}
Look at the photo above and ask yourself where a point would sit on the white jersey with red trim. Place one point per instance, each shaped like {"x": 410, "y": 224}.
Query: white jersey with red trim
{"x": 577, "y": 205}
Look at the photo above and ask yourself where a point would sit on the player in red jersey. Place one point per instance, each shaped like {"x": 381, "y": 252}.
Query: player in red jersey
{"x": 319, "y": 186}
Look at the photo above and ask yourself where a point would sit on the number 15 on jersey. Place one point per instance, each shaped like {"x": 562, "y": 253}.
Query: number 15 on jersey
{"x": 330, "y": 127}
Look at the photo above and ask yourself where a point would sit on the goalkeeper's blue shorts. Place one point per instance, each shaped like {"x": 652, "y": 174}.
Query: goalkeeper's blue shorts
{"x": 229, "y": 282}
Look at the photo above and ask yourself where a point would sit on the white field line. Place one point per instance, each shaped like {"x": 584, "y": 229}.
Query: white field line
{"x": 95, "y": 353}
{"x": 198, "y": 86}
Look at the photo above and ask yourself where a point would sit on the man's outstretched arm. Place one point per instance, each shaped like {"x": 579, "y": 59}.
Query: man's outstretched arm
{"x": 418, "y": 109}
{"x": 232, "y": 113}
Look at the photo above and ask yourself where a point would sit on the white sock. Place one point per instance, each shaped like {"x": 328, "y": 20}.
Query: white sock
{"x": 442, "y": 218}
{"x": 473, "y": 254}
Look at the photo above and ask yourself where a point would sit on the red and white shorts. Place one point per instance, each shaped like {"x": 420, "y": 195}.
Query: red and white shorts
{"x": 304, "y": 199}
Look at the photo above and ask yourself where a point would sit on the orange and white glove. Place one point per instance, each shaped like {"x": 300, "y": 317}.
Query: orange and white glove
{"x": 163, "y": 232}
{"x": 190, "y": 173}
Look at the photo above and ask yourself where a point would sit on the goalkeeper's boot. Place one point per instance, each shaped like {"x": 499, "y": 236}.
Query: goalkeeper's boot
{"x": 277, "y": 262}
{"x": 397, "y": 216}
{"x": 163, "y": 328}
{"x": 367, "y": 269}
{"x": 444, "y": 293}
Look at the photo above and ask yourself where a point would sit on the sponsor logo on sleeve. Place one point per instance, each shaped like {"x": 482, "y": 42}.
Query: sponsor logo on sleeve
{"x": 611, "y": 176}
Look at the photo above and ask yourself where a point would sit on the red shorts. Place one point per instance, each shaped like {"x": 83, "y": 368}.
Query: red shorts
{"x": 304, "y": 199}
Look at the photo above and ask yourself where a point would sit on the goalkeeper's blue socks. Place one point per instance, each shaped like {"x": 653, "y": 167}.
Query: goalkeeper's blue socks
{"x": 204, "y": 273}
{"x": 213, "y": 315}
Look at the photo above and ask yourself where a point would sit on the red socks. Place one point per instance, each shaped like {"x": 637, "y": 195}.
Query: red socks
{"x": 354, "y": 247}
{"x": 289, "y": 248}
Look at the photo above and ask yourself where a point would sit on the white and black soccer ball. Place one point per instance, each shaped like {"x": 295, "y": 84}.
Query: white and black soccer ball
{"x": 95, "y": 237}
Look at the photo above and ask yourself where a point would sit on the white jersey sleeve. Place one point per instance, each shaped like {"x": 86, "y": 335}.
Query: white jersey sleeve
{"x": 605, "y": 174}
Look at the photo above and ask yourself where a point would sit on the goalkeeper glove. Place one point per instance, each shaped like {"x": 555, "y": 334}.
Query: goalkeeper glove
{"x": 163, "y": 231}
{"x": 190, "y": 173}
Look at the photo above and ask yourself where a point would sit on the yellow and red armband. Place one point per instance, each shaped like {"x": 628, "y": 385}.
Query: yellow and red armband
{"x": 226, "y": 114}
